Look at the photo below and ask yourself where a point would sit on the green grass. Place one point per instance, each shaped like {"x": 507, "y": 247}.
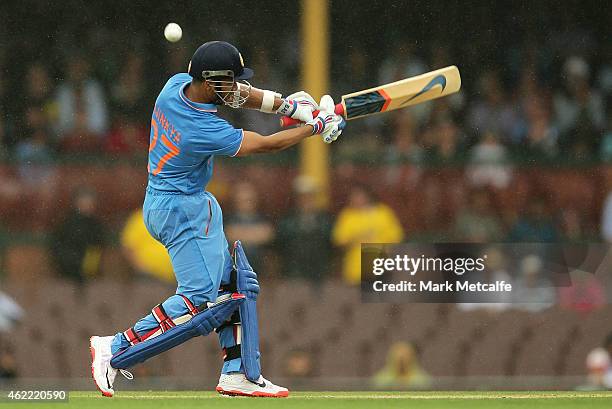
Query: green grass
{"x": 336, "y": 400}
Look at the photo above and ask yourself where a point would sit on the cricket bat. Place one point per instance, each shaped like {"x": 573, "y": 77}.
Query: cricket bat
{"x": 396, "y": 95}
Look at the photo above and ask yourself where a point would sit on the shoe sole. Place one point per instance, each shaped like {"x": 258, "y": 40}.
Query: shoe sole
{"x": 256, "y": 394}
{"x": 92, "y": 350}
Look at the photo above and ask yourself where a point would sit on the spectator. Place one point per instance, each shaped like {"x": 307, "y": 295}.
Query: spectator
{"x": 532, "y": 291}
{"x": 442, "y": 142}
{"x": 76, "y": 243}
{"x": 34, "y": 151}
{"x": 127, "y": 136}
{"x": 6, "y": 131}
{"x": 303, "y": 237}
{"x": 488, "y": 163}
{"x": 606, "y": 219}
{"x": 604, "y": 78}
{"x": 130, "y": 130}
{"x": 606, "y": 144}
{"x": 585, "y": 294}
{"x": 402, "y": 370}
{"x": 299, "y": 364}
{"x": 607, "y": 344}
{"x": 363, "y": 220}
{"x": 478, "y": 221}
{"x": 404, "y": 149}
{"x": 535, "y": 225}
{"x": 599, "y": 370}
{"x": 11, "y": 188}
{"x": 492, "y": 111}
{"x": 82, "y": 111}
{"x": 39, "y": 94}
{"x": 245, "y": 223}
{"x": 11, "y": 313}
{"x": 146, "y": 255}
{"x": 579, "y": 110}
{"x": 540, "y": 138}
{"x": 128, "y": 95}
{"x": 497, "y": 270}
{"x": 574, "y": 226}
{"x": 8, "y": 363}
{"x": 405, "y": 145}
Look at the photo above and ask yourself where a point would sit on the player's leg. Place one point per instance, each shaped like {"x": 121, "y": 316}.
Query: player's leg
{"x": 239, "y": 337}
{"x": 197, "y": 248}
{"x": 194, "y": 256}
{"x": 104, "y": 348}
{"x": 229, "y": 331}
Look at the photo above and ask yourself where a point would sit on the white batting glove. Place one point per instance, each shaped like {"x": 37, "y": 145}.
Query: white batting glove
{"x": 298, "y": 105}
{"x": 327, "y": 123}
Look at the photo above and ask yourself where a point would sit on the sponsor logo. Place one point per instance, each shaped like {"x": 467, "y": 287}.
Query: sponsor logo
{"x": 438, "y": 80}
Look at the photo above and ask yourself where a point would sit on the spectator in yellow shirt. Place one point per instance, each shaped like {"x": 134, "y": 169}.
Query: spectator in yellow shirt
{"x": 145, "y": 254}
{"x": 364, "y": 220}
{"x": 402, "y": 370}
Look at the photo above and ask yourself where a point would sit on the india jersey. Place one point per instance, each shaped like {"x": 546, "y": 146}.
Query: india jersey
{"x": 185, "y": 136}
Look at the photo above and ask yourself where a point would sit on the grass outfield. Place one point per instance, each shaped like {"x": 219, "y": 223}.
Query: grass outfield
{"x": 337, "y": 400}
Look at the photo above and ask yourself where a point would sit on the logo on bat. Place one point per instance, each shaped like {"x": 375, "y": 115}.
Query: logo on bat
{"x": 438, "y": 80}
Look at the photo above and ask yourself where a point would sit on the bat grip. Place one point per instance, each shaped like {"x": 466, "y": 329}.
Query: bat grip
{"x": 286, "y": 121}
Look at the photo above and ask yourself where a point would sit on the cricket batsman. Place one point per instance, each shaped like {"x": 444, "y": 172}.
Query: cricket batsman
{"x": 217, "y": 288}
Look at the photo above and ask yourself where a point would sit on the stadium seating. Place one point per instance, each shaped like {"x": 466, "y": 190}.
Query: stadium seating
{"x": 581, "y": 190}
{"x": 345, "y": 337}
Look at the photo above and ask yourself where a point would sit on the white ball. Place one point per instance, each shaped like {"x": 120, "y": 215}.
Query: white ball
{"x": 173, "y": 32}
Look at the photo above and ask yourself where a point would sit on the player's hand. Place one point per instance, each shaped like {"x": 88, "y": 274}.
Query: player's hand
{"x": 299, "y": 105}
{"x": 327, "y": 123}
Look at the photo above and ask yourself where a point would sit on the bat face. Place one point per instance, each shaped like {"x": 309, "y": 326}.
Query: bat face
{"x": 403, "y": 93}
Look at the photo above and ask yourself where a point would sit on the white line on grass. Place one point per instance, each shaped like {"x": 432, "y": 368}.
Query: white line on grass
{"x": 364, "y": 396}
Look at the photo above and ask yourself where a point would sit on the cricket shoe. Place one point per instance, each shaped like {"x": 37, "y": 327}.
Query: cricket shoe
{"x": 237, "y": 384}
{"x": 101, "y": 370}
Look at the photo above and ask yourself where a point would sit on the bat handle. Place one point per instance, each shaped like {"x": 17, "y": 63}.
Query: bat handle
{"x": 286, "y": 121}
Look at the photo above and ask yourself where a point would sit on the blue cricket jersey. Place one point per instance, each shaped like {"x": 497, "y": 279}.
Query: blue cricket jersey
{"x": 185, "y": 136}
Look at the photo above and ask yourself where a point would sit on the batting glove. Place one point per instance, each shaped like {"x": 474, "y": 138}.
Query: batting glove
{"x": 327, "y": 123}
{"x": 298, "y": 105}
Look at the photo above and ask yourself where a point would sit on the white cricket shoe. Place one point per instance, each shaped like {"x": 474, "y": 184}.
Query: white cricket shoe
{"x": 237, "y": 384}
{"x": 101, "y": 370}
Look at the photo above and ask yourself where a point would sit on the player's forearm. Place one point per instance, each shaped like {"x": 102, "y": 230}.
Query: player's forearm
{"x": 253, "y": 142}
{"x": 287, "y": 138}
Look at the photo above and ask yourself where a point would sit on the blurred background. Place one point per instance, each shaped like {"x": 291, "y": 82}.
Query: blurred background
{"x": 522, "y": 154}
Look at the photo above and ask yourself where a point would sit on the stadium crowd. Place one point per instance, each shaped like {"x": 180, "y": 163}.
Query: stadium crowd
{"x": 535, "y": 102}
{"x": 543, "y": 94}
{"x": 545, "y": 99}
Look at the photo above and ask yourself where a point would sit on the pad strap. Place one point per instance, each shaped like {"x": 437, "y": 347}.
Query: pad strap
{"x": 192, "y": 309}
{"x": 164, "y": 321}
{"x": 132, "y": 336}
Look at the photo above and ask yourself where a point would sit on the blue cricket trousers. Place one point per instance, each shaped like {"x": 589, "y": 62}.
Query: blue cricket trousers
{"x": 191, "y": 229}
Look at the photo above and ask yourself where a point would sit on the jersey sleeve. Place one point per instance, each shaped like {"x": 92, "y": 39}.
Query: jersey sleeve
{"x": 218, "y": 138}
